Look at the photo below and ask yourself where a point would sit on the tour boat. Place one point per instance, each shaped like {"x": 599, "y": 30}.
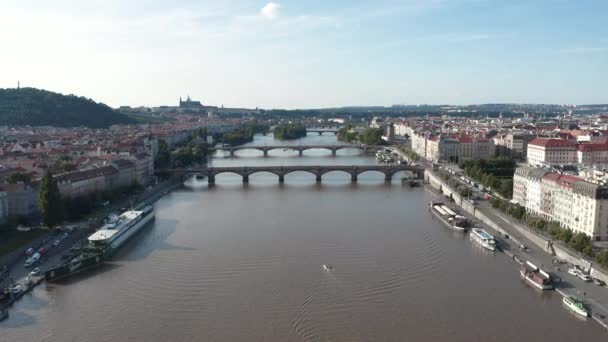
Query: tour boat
{"x": 483, "y": 238}
{"x": 104, "y": 243}
{"x": 328, "y": 268}
{"x": 575, "y": 305}
{"x": 536, "y": 277}
{"x": 114, "y": 234}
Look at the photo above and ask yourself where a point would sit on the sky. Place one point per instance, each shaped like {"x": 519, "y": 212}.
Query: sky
{"x": 309, "y": 53}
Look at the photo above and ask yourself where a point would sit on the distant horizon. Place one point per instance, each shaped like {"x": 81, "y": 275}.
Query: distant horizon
{"x": 321, "y": 108}
{"x": 313, "y": 54}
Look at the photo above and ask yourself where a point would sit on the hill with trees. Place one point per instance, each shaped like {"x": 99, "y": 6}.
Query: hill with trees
{"x": 36, "y": 107}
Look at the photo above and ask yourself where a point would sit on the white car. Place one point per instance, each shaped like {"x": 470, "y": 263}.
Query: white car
{"x": 32, "y": 260}
{"x": 584, "y": 277}
{"x": 573, "y": 271}
{"x": 35, "y": 272}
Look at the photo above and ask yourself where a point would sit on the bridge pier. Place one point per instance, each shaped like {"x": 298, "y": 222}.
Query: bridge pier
{"x": 265, "y": 152}
{"x": 281, "y": 179}
{"x": 245, "y": 179}
{"x": 232, "y": 152}
{"x": 211, "y": 179}
{"x": 353, "y": 178}
{"x": 333, "y": 152}
{"x": 318, "y": 178}
{"x": 301, "y": 152}
{"x": 388, "y": 177}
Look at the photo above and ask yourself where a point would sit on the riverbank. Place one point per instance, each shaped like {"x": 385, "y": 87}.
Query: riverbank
{"x": 18, "y": 275}
{"x": 541, "y": 254}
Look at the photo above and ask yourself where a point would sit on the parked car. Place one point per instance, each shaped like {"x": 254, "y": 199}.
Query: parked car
{"x": 574, "y": 271}
{"x": 32, "y": 260}
{"x": 15, "y": 289}
{"x": 42, "y": 251}
{"x": 584, "y": 277}
{"x": 29, "y": 251}
{"x": 35, "y": 272}
{"x": 56, "y": 243}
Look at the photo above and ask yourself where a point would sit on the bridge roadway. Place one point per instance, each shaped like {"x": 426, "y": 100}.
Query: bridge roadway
{"x": 321, "y": 130}
{"x": 299, "y": 148}
{"x": 282, "y": 171}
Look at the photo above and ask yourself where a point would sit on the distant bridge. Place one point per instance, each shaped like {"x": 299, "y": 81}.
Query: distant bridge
{"x": 321, "y": 130}
{"x": 281, "y": 171}
{"x": 299, "y": 148}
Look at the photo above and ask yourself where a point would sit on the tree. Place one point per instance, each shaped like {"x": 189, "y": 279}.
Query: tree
{"x": 602, "y": 258}
{"x": 17, "y": 177}
{"x": 51, "y": 206}
{"x": 163, "y": 157}
{"x": 579, "y": 242}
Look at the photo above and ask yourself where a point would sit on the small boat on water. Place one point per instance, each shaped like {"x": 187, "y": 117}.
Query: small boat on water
{"x": 536, "y": 277}
{"x": 328, "y": 268}
{"x": 576, "y": 305}
{"x": 483, "y": 238}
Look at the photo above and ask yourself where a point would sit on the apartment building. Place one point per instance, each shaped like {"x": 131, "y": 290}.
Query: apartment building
{"x": 571, "y": 201}
{"x": 546, "y": 151}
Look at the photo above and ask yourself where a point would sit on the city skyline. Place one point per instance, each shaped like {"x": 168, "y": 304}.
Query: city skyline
{"x": 286, "y": 54}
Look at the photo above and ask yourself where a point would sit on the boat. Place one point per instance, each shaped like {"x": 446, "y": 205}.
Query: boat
{"x": 449, "y": 217}
{"x": 535, "y": 276}
{"x": 328, "y": 268}
{"x": 575, "y": 305}
{"x": 460, "y": 223}
{"x": 483, "y": 238}
{"x": 104, "y": 243}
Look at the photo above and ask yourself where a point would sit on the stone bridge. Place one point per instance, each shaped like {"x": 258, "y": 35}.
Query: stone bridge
{"x": 300, "y": 148}
{"x": 320, "y": 130}
{"x": 281, "y": 171}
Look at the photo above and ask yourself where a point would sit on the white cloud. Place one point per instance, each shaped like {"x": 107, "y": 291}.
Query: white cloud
{"x": 271, "y": 10}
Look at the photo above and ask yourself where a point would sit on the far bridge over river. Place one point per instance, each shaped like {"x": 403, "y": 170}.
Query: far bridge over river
{"x": 281, "y": 171}
{"x": 299, "y": 148}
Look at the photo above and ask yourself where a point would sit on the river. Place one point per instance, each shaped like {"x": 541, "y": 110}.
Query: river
{"x": 243, "y": 263}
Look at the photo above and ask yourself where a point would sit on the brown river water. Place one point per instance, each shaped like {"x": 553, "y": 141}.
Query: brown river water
{"x": 244, "y": 263}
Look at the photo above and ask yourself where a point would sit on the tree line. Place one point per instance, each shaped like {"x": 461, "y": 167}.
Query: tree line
{"x": 495, "y": 173}
{"x": 289, "y": 131}
{"x": 370, "y": 136}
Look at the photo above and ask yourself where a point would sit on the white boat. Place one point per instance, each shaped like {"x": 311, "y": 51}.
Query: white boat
{"x": 483, "y": 238}
{"x": 536, "y": 277}
{"x": 114, "y": 234}
{"x": 328, "y": 268}
{"x": 575, "y": 305}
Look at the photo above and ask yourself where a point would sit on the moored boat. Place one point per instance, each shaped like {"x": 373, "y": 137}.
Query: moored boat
{"x": 536, "y": 277}
{"x": 104, "y": 243}
{"x": 483, "y": 238}
{"x": 576, "y": 305}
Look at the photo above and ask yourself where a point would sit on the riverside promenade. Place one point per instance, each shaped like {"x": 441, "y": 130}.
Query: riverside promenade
{"x": 536, "y": 251}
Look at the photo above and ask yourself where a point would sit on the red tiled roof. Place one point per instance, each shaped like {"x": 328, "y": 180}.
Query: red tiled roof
{"x": 593, "y": 147}
{"x": 552, "y": 142}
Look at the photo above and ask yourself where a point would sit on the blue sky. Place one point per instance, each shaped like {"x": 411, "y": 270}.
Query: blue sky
{"x": 309, "y": 53}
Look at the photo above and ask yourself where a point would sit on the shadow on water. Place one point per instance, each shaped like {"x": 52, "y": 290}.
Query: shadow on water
{"x": 152, "y": 238}
{"x": 75, "y": 278}
{"x": 17, "y": 319}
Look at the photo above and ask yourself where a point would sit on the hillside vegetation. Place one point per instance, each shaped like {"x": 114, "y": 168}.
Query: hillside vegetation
{"x": 36, "y": 107}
